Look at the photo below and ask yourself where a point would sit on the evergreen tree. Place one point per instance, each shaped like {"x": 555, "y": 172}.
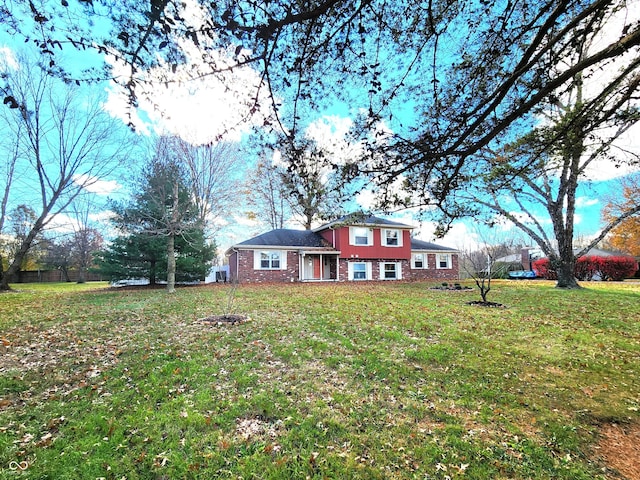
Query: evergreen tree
{"x": 145, "y": 256}
{"x": 163, "y": 234}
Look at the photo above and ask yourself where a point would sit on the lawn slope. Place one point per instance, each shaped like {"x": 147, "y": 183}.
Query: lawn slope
{"x": 373, "y": 380}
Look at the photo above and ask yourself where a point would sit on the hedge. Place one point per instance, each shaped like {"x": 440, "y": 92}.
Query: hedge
{"x": 589, "y": 267}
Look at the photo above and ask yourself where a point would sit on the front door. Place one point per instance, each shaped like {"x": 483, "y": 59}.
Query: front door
{"x": 312, "y": 267}
{"x": 316, "y": 268}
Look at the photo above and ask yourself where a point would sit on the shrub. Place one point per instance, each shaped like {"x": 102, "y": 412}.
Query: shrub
{"x": 543, "y": 269}
{"x": 590, "y": 267}
{"x": 618, "y": 268}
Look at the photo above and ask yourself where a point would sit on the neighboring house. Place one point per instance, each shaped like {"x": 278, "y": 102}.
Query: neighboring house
{"x": 351, "y": 248}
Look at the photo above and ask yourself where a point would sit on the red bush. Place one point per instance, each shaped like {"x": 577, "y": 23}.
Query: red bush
{"x": 590, "y": 267}
{"x": 587, "y": 267}
{"x": 543, "y": 269}
{"x": 618, "y": 268}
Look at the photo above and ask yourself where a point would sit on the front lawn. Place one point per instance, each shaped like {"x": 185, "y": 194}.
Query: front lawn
{"x": 373, "y": 380}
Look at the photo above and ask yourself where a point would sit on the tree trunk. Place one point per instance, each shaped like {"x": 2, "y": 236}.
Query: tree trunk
{"x": 171, "y": 264}
{"x": 152, "y": 272}
{"x": 1, "y": 272}
{"x": 14, "y": 268}
{"x": 565, "y": 272}
{"x": 82, "y": 275}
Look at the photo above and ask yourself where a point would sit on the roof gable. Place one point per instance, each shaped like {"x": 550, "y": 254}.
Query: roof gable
{"x": 360, "y": 219}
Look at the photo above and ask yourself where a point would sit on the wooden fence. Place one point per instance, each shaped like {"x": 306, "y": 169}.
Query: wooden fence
{"x": 45, "y": 276}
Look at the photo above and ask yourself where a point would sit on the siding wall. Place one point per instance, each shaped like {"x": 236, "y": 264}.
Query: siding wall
{"x": 371, "y": 252}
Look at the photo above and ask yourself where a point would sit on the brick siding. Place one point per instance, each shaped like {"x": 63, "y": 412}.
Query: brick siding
{"x": 243, "y": 261}
{"x": 433, "y": 273}
{"x": 247, "y": 274}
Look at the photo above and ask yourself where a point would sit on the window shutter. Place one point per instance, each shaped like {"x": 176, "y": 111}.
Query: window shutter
{"x": 283, "y": 260}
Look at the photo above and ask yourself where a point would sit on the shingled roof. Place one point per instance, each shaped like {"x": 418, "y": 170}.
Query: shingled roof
{"x": 285, "y": 237}
{"x": 361, "y": 219}
{"x": 422, "y": 245}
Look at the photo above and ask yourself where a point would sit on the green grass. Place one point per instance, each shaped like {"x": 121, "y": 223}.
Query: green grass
{"x": 388, "y": 380}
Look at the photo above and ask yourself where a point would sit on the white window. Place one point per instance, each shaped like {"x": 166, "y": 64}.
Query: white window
{"x": 418, "y": 260}
{"x": 390, "y": 271}
{"x": 360, "y": 236}
{"x": 270, "y": 260}
{"x": 359, "y": 270}
{"x": 443, "y": 260}
{"x": 392, "y": 237}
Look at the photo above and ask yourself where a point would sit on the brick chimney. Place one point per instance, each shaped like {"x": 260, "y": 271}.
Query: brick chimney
{"x": 525, "y": 259}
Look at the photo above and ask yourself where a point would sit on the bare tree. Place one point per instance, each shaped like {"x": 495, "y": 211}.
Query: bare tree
{"x": 86, "y": 238}
{"x": 65, "y": 143}
{"x": 267, "y": 195}
{"x": 470, "y": 70}
{"x": 314, "y": 189}
{"x": 10, "y": 154}
{"x": 541, "y": 172}
{"x": 481, "y": 264}
{"x": 213, "y": 177}
{"x": 20, "y": 220}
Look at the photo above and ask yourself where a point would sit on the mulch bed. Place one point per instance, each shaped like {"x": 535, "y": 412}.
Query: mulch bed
{"x": 480, "y": 303}
{"x": 452, "y": 288}
{"x": 228, "y": 319}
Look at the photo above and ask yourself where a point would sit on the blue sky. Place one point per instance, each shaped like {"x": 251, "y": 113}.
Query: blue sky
{"x": 200, "y": 110}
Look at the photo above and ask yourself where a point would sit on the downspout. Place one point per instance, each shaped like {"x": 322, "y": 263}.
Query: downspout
{"x": 237, "y": 252}
{"x": 301, "y": 266}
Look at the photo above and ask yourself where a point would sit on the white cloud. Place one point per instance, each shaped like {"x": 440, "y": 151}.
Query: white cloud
{"x": 577, "y": 219}
{"x": 460, "y": 236}
{"x": 95, "y": 185}
{"x": 102, "y": 217}
{"x": 8, "y": 60}
{"x": 200, "y": 111}
{"x": 63, "y": 224}
{"x": 582, "y": 202}
{"x": 191, "y": 100}
{"x": 245, "y": 221}
{"x": 366, "y": 199}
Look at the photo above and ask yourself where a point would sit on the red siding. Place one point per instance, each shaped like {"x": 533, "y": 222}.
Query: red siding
{"x": 375, "y": 251}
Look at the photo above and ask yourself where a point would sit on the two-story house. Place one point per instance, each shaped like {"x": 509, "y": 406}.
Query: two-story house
{"x": 353, "y": 247}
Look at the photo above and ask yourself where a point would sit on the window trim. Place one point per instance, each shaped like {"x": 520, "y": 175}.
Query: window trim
{"x": 351, "y": 271}
{"x": 280, "y": 260}
{"x": 353, "y": 236}
{"x": 448, "y": 257}
{"x": 397, "y": 270}
{"x": 385, "y": 238}
{"x": 425, "y": 263}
